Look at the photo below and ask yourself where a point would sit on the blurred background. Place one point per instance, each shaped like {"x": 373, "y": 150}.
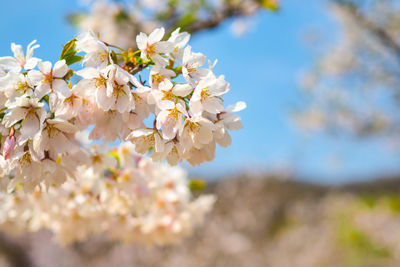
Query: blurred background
{"x": 312, "y": 179}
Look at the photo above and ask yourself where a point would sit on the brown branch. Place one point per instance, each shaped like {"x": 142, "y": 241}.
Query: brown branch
{"x": 219, "y": 16}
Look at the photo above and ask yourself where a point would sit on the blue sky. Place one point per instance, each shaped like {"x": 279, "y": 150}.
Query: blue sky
{"x": 263, "y": 68}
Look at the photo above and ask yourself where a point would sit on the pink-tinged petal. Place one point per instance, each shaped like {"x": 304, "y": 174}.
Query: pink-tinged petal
{"x": 41, "y": 90}
{"x": 156, "y": 35}
{"x": 158, "y": 144}
{"x": 60, "y": 143}
{"x": 63, "y": 125}
{"x": 61, "y": 88}
{"x": 84, "y": 88}
{"x": 35, "y": 77}
{"x": 86, "y": 113}
{"x": 60, "y": 69}
{"x": 123, "y": 103}
{"x": 205, "y": 136}
{"x": 30, "y": 126}
{"x": 132, "y": 120}
{"x": 45, "y": 67}
{"x": 49, "y": 166}
{"x": 225, "y": 141}
{"x": 103, "y": 100}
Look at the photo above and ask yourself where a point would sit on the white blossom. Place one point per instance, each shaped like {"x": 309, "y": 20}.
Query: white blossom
{"x": 20, "y": 60}
{"x": 50, "y": 79}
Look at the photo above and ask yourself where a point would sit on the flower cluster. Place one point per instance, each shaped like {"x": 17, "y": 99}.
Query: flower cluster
{"x": 123, "y": 195}
{"x": 45, "y": 109}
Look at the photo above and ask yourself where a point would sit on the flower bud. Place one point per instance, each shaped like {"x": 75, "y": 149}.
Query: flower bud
{"x": 8, "y": 147}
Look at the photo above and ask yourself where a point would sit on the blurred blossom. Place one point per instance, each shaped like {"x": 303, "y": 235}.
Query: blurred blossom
{"x": 354, "y": 85}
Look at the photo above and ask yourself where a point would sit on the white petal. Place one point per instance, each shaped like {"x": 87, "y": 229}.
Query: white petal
{"x": 103, "y": 101}
{"x": 141, "y": 40}
{"x": 30, "y": 126}
{"x": 182, "y": 89}
{"x": 35, "y": 77}
{"x": 41, "y": 90}
{"x": 213, "y": 105}
{"x": 196, "y": 108}
{"x": 88, "y": 73}
{"x": 14, "y": 116}
{"x": 123, "y": 103}
{"x": 63, "y": 125}
{"x": 156, "y": 35}
{"x": 164, "y": 47}
{"x": 10, "y": 63}
{"x": 60, "y": 143}
{"x": 158, "y": 144}
{"x": 61, "y": 88}
{"x": 236, "y": 107}
{"x": 60, "y": 69}
{"x": 45, "y": 67}
{"x": 31, "y": 63}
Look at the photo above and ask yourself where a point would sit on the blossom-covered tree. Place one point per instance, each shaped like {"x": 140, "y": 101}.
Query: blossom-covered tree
{"x": 354, "y": 87}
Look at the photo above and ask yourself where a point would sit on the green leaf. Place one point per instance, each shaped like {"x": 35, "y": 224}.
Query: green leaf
{"x": 186, "y": 20}
{"x": 75, "y": 19}
{"x": 121, "y": 16}
{"x": 197, "y": 185}
{"x": 69, "y": 53}
{"x": 114, "y": 56}
{"x": 73, "y": 59}
{"x": 272, "y": 5}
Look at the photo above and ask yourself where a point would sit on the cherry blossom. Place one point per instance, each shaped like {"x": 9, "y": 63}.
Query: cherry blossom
{"x": 50, "y": 79}
{"x": 20, "y": 60}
